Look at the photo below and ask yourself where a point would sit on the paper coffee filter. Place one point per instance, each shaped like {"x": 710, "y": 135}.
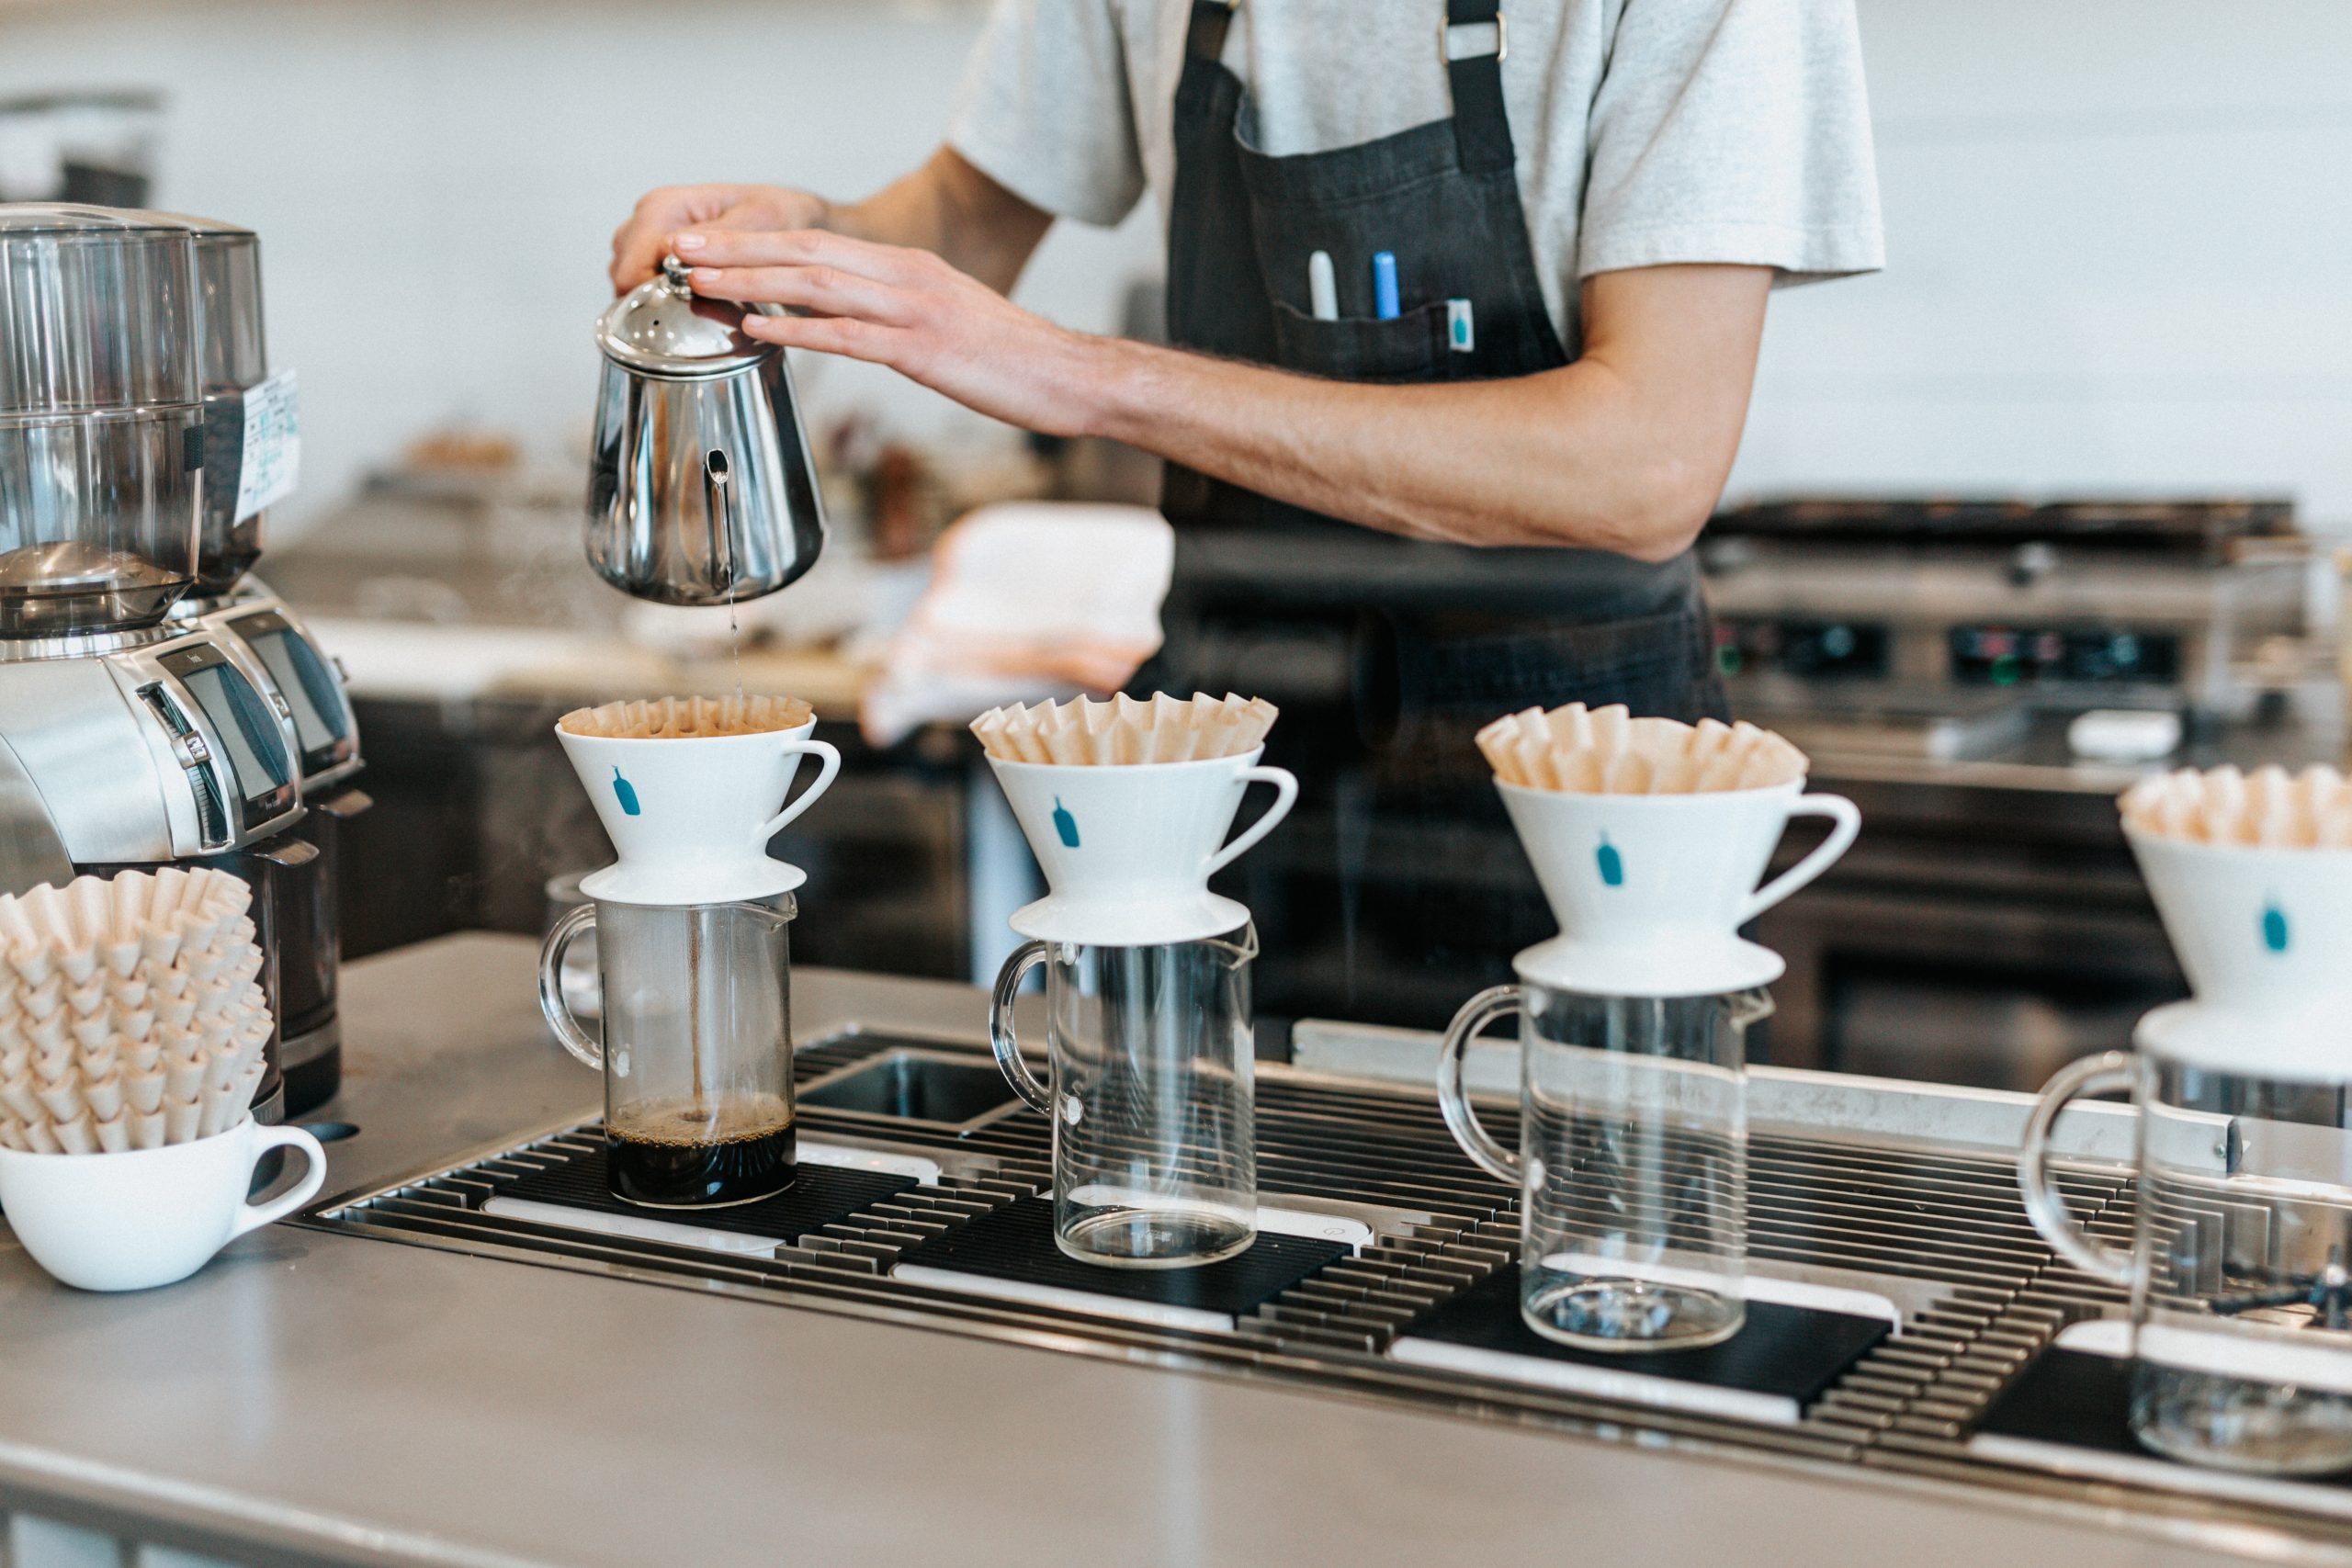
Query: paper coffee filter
{"x": 1086, "y": 733}
{"x": 680, "y": 718}
{"x": 1608, "y": 751}
{"x": 130, "y": 1011}
{"x": 2269, "y": 807}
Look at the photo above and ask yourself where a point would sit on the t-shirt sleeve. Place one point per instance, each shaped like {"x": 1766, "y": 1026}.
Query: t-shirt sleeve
{"x": 1043, "y": 108}
{"x": 1733, "y": 131}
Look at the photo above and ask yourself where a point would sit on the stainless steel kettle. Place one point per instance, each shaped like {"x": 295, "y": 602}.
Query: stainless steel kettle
{"x": 701, "y": 490}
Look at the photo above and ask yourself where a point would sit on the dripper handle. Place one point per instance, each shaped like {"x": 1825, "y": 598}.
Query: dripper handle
{"x": 1453, "y": 1100}
{"x": 1845, "y": 820}
{"x": 568, "y": 1032}
{"x": 1009, "y": 1060}
{"x": 1286, "y": 796}
{"x": 2043, "y": 1205}
{"x": 829, "y": 763}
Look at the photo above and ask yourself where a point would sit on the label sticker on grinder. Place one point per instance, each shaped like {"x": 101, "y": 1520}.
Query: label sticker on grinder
{"x": 273, "y": 452}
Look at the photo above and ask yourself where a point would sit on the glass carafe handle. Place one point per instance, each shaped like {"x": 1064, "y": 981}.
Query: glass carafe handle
{"x": 1025, "y": 957}
{"x": 566, "y": 1028}
{"x": 2044, "y": 1206}
{"x": 1454, "y": 1101}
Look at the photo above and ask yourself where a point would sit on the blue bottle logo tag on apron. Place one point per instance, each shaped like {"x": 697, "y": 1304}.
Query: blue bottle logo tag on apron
{"x": 1064, "y": 824}
{"x": 2273, "y": 927}
{"x": 1612, "y": 863}
{"x": 626, "y": 793}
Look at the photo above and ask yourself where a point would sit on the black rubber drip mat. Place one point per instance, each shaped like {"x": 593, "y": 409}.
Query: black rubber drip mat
{"x": 1783, "y": 1359}
{"x": 1010, "y": 1254}
{"x": 2071, "y": 1410}
{"x": 820, "y": 1195}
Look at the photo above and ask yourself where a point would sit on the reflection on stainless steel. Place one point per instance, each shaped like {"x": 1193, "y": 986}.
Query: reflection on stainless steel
{"x": 701, "y": 490}
{"x": 100, "y": 423}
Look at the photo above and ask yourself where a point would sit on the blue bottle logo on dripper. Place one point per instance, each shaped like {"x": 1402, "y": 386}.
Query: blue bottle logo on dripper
{"x": 2275, "y": 934}
{"x": 626, "y": 793}
{"x": 1612, "y": 863}
{"x": 1064, "y": 824}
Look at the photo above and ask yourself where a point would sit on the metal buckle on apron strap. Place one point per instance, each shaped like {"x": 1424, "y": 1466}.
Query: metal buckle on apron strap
{"x": 1473, "y": 35}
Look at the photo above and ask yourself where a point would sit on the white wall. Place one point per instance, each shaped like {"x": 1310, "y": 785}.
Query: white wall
{"x": 2121, "y": 231}
{"x": 2120, "y": 256}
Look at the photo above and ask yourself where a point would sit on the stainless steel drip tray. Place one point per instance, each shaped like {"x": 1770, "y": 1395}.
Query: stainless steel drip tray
{"x": 1861, "y": 1205}
{"x": 907, "y": 1085}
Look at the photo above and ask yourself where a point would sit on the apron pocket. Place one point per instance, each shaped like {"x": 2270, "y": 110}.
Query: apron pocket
{"x": 1410, "y": 347}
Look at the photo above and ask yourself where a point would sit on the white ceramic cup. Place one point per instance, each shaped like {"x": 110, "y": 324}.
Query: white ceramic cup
{"x": 127, "y": 1222}
{"x": 1644, "y": 869}
{"x": 692, "y": 815}
{"x": 1128, "y": 848}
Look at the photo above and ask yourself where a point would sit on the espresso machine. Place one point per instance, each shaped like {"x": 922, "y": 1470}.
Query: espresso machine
{"x": 138, "y": 441}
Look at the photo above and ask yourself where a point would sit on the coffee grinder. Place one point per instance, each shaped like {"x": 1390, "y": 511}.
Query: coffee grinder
{"x": 128, "y": 736}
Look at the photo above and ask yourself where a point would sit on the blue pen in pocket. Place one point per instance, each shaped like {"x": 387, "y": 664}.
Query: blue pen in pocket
{"x": 1383, "y": 286}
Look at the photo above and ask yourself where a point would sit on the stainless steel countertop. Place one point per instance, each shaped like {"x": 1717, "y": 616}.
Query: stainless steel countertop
{"x": 319, "y": 1395}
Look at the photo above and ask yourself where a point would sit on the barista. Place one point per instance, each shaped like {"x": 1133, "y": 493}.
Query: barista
{"x": 1462, "y": 317}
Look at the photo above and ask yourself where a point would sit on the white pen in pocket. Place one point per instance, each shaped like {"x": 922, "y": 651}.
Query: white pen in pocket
{"x": 1322, "y": 287}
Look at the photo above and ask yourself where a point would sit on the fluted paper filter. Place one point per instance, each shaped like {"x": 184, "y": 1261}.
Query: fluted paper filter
{"x": 1124, "y": 729}
{"x": 2269, "y": 807}
{"x": 687, "y": 718}
{"x": 1608, "y": 751}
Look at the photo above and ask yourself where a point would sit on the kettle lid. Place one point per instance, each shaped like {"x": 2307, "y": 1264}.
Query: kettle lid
{"x": 662, "y": 328}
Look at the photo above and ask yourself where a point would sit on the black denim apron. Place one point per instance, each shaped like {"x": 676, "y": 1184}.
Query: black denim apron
{"x": 1396, "y": 881}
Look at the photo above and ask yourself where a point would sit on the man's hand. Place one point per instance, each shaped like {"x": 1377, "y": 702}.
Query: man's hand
{"x": 640, "y": 244}
{"x": 908, "y": 310}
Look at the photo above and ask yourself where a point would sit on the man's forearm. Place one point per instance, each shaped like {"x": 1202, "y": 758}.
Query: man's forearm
{"x": 1555, "y": 458}
{"x": 1626, "y": 449}
{"x": 950, "y": 209}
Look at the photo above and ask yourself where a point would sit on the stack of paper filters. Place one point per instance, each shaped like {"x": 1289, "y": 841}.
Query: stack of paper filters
{"x": 130, "y": 1011}
{"x": 1165, "y": 729}
{"x": 689, "y": 718}
{"x": 1608, "y": 751}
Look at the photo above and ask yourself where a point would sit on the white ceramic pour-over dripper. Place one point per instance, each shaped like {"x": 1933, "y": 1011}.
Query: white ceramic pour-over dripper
{"x": 1128, "y": 849}
{"x": 1650, "y": 890}
{"x": 2263, "y": 933}
{"x": 692, "y": 814}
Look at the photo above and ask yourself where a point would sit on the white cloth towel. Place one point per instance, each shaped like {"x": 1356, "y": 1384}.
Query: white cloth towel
{"x": 1028, "y": 600}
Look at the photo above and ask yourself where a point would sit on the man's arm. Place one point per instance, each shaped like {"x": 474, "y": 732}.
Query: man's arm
{"x": 946, "y": 207}
{"x": 1626, "y": 449}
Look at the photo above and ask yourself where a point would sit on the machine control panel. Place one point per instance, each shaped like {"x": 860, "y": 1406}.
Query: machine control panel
{"x": 226, "y": 740}
{"x": 303, "y": 686}
{"x": 2033, "y": 656}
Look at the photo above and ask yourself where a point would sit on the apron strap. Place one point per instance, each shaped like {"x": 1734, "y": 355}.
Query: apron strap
{"x": 1205, "y": 37}
{"x": 1481, "y": 129}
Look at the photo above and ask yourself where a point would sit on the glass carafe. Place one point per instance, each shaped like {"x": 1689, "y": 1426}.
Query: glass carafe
{"x": 1632, "y": 1166}
{"x": 696, "y": 1045}
{"x": 1151, "y": 1093}
{"x": 2240, "y": 1264}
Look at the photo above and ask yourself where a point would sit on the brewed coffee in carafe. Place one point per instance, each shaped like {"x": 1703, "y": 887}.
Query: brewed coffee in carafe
{"x": 695, "y": 1048}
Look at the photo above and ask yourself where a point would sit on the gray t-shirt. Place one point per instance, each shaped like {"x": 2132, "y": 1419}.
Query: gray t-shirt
{"x": 1649, "y": 131}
